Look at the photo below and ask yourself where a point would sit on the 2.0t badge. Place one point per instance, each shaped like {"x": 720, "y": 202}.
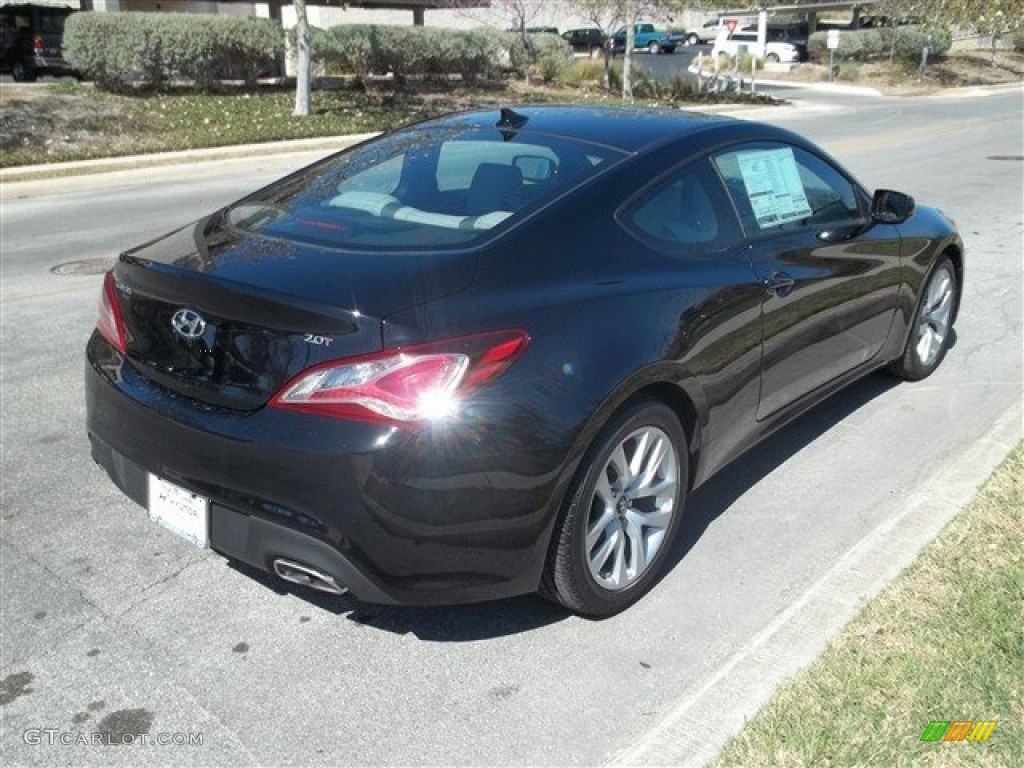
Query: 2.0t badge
{"x": 188, "y": 323}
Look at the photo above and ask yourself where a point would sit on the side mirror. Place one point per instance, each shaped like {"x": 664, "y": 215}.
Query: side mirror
{"x": 889, "y": 207}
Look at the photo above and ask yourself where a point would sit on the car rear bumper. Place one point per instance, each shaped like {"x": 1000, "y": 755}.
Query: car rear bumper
{"x": 52, "y": 65}
{"x": 394, "y": 516}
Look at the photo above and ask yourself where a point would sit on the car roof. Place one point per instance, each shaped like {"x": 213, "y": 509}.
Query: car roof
{"x": 629, "y": 129}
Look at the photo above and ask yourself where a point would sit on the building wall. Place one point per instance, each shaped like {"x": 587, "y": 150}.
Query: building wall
{"x": 540, "y": 13}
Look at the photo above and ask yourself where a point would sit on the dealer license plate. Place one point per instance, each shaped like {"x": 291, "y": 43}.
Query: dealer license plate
{"x": 179, "y": 511}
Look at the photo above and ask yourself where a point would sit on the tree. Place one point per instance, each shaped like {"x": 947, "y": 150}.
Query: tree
{"x": 522, "y": 13}
{"x": 516, "y": 16}
{"x": 994, "y": 18}
{"x": 304, "y": 60}
{"x": 606, "y": 15}
{"x": 612, "y": 15}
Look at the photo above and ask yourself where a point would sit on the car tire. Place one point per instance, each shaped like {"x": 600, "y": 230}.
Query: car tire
{"x": 22, "y": 73}
{"x": 692, "y": 40}
{"x": 772, "y": 57}
{"x": 653, "y": 48}
{"x": 621, "y": 513}
{"x": 932, "y": 326}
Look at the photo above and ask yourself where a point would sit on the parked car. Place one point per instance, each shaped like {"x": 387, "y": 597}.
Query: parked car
{"x": 30, "y": 41}
{"x": 704, "y": 34}
{"x": 745, "y": 41}
{"x": 536, "y": 30}
{"x": 589, "y": 41}
{"x": 646, "y": 38}
{"x": 492, "y": 353}
{"x": 795, "y": 34}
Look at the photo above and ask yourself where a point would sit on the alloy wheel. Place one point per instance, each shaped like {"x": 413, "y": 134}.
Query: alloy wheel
{"x": 631, "y": 508}
{"x": 933, "y": 321}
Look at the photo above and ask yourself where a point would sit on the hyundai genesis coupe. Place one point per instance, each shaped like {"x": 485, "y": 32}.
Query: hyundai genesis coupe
{"x": 491, "y": 353}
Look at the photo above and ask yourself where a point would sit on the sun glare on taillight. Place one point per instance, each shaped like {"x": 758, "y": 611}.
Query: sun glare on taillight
{"x": 110, "y": 325}
{"x": 418, "y": 383}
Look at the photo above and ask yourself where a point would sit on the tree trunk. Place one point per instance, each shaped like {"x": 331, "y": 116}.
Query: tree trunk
{"x": 303, "y": 106}
{"x": 528, "y": 47}
{"x": 627, "y": 59}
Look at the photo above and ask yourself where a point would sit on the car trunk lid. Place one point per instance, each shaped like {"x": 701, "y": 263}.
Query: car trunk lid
{"x": 228, "y": 318}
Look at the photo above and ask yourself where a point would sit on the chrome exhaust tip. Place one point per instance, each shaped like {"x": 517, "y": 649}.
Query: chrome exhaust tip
{"x": 297, "y": 573}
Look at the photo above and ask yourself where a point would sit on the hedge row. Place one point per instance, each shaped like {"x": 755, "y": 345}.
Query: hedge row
{"x": 877, "y": 44}
{"x": 154, "y": 48}
{"x": 115, "y": 49}
{"x": 362, "y": 50}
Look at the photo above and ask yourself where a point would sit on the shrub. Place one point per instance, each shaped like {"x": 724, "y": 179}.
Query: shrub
{"x": 905, "y": 43}
{"x": 582, "y": 73}
{"x": 551, "y": 55}
{"x": 844, "y": 70}
{"x": 476, "y": 53}
{"x": 117, "y": 48}
{"x": 366, "y": 49}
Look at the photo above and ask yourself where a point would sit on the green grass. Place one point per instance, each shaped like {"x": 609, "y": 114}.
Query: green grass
{"x": 945, "y": 641}
{"x": 70, "y": 122}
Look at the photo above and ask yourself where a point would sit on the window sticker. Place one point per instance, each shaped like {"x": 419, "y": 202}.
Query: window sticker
{"x": 773, "y": 186}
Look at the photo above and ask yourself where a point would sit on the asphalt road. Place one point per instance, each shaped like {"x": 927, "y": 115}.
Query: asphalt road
{"x": 113, "y": 626}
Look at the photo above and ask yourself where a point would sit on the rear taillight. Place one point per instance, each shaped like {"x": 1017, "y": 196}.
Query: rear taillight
{"x": 110, "y": 325}
{"x": 418, "y": 383}
{"x": 37, "y": 42}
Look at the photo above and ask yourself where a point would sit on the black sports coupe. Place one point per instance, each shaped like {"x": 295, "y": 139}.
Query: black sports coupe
{"x": 491, "y": 353}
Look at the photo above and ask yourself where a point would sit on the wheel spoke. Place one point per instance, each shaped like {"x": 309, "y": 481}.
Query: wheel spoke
{"x": 618, "y": 576}
{"x": 599, "y": 526}
{"x": 939, "y": 312}
{"x": 603, "y": 491}
{"x": 620, "y": 465}
{"x": 638, "y": 561}
{"x": 658, "y": 518}
{"x": 608, "y": 549}
{"x": 639, "y": 451}
{"x": 652, "y": 464}
{"x": 667, "y": 487}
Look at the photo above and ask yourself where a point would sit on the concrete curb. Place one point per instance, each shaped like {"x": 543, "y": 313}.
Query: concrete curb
{"x": 695, "y": 730}
{"x": 853, "y": 90}
{"x": 159, "y": 159}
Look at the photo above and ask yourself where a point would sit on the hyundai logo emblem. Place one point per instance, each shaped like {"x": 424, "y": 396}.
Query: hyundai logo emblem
{"x": 188, "y": 323}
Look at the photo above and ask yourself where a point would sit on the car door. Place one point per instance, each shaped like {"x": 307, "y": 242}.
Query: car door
{"x": 831, "y": 278}
{"x": 711, "y": 301}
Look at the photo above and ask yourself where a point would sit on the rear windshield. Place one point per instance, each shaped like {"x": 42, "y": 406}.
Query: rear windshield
{"x": 428, "y": 187}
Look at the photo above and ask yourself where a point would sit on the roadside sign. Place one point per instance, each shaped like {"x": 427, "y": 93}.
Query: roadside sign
{"x": 833, "y": 39}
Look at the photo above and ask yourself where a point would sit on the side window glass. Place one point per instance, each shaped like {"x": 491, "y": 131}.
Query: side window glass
{"x": 777, "y": 187}
{"x": 687, "y": 213}
{"x": 831, "y": 195}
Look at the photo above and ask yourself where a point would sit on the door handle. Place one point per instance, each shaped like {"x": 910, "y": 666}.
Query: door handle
{"x": 780, "y": 284}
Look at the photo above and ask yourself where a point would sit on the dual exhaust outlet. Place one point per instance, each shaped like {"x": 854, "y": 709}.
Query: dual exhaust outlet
{"x": 307, "y": 576}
